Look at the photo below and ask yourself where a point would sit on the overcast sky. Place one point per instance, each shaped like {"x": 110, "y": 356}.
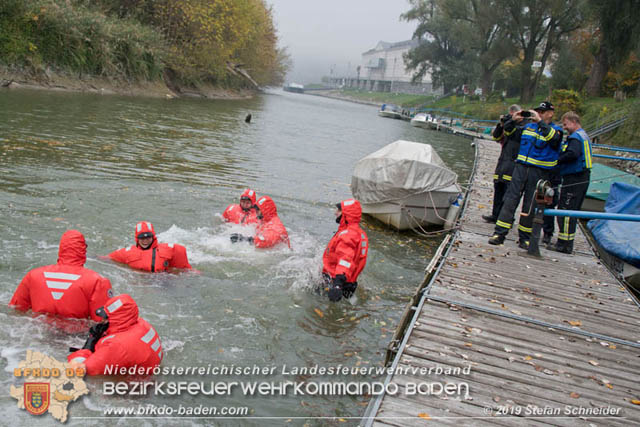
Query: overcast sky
{"x": 321, "y": 34}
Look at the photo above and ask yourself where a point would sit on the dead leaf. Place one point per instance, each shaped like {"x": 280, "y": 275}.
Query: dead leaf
{"x": 342, "y": 420}
{"x": 593, "y": 362}
{"x": 424, "y": 416}
{"x": 635, "y": 402}
{"x": 574, "y": 322}
{"x": 611, "y": 346}
{"x": 468, "y": 344}
{"x": 528, "y": 358}
{"x": 481, "y": 206}
{"x": 574, "y": 395}
{"x": 318, "y": 312}
{"x": 348, "y": 354}
{"x": 609, "y": 386}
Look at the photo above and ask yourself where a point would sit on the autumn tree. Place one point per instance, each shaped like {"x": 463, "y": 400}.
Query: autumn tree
{"x": 536, "y": 27}
{"x": 618, "y": 34}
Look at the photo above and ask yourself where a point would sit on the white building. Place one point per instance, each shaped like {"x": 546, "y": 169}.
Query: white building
{"x": 383, "y": 70}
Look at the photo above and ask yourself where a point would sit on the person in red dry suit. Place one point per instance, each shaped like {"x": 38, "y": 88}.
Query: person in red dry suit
{"x": 244, "y": 213}
{"x": 270, "y": 230}
{"x": 346, "y": 254}
{"x": 67, "y": 288}
{"x": 125, "y": 339}
{"x": 149, "y": 255}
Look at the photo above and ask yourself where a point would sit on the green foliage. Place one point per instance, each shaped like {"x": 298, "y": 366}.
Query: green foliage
{"x": 40, "y": 33}
{"x": 568, "y": 71}
{"x": 198, "y": 40}
{"x": 566, "y": 100}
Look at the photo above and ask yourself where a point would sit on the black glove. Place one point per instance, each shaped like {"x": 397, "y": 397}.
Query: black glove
{"x": 95, "y": 333}
{"x": 336, "y": 286}
{"x": 236, "y": 237}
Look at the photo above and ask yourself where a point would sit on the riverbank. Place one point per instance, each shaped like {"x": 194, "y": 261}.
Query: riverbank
{"x": 62, "y": 82}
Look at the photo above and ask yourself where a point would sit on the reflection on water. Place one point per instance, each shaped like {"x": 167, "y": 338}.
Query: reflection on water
{"x": 102, "y": 163}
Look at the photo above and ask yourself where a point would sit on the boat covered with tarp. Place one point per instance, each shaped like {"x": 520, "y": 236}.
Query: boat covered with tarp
{"x": 621, "y": 239}
{"x": 602, "y": 177}
{"x": 405, "y": 184}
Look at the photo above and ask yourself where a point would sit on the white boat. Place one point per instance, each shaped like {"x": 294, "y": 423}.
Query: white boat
{"x": 423, "y": 120}
{"x": 390, "y": 111}
{"x": 406, "y": 185}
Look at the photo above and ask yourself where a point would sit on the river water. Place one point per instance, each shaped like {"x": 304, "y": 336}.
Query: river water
{"x": 100, "y": 164}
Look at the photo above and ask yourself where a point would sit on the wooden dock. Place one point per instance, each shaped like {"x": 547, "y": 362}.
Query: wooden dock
{"x": 550, "y": 341}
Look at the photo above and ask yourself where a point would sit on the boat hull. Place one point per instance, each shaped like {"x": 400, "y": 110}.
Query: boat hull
{"x": 390, "y": 114}
{"x": 415, "y": 211}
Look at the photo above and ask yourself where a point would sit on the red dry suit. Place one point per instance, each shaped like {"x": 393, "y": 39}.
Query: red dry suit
{"x": 347, "y": 250}
{"x": 129, "y": 341}
{"x": 270, "y": 230}
{"x": 157, "y": 257}
{"x": 237, "y": 215}
{"x": 67, "y": 288}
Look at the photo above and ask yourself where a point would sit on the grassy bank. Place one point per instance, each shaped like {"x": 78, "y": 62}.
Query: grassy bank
{"x": 186, "y": 43}
{"x": 594, "y": 111}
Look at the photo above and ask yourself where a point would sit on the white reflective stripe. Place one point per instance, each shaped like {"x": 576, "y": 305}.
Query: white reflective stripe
{"x": 250, "y": 193}
{"x": 147, "y": 337}
{"x": 155, "y": 345}
{"x": 160, "y": 354}
{"x": 57, "y": 295}
{"x": 171, "y": 245}
{"x": 364, "y": 244}
{"x": 114, "y": 306}
{"x": 65, "y": 276}
{"x": 78, "y": 359}
{"x": 345, "y": 263}
{"x": 58, "y": 285}
{"x": 364, "y": 251}
{"x": 348, "y": 202}
{"x": 107, "y": 338}
{"x": 261, "y": 201}
{"x": 261, "y": 238}
{"x": 150, "y": 226}
{"x": 129, "y": 248}
{"x": 343, "y": 232}
{"x": 139, "y": 227}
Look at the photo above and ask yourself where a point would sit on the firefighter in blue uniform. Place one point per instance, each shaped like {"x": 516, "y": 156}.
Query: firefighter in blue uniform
{"x": 555, "y": 179}
{"x": 507, "y": 132}
{"x": 574, "y": 163}
{"x": 537, "y": 157}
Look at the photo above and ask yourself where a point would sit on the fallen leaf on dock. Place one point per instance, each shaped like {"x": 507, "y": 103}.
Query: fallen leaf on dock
{"x": 594, "y": 363}
{"x": 318, "y": 312}
{"x": 574, "y": 322}
{"x": 424, "y": 416}
{"x": 482, "y": 207}
{"x": 609, "y": 386}
{"x": 574, "y": 395}
{"x": 635, "y": 402}
{"x": 528, "y": 358}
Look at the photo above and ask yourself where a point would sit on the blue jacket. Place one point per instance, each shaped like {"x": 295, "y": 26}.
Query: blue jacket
{"x": 575, "y": 153}
{"x": 539, "y": 145}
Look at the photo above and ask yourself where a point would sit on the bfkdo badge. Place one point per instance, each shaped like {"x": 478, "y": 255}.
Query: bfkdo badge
{"x": 36, "y": 397}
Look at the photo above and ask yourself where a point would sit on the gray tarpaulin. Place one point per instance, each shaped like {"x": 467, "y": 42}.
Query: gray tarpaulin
{"x": 398, "y": 170}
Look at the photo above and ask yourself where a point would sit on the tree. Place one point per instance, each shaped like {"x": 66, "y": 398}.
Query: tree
{"x": 438, "y": 52}
{"x": 618, "y": 34}
{"x": 461, "y": 41}
{"x": 536, "y": 27}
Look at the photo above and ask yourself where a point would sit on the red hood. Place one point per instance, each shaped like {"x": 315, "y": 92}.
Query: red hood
{"x": 122, "y": 311}
{"x": 73, "y": 249}
{"x": 351, "y": 212}
{"x": 250, "y": 194}
{"x": 267, "y": 207}
{"x": 145, "y": 227}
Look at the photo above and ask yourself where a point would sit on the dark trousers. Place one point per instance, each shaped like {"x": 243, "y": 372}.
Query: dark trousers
{"x": 499, "y": 190}
{"x": 574, "y": 189}
{"x": 524, "y": 181}
{"x": 549, "y": 221}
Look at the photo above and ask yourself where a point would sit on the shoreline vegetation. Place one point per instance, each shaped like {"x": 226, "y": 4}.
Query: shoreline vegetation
{"x": 160, "y": 48}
